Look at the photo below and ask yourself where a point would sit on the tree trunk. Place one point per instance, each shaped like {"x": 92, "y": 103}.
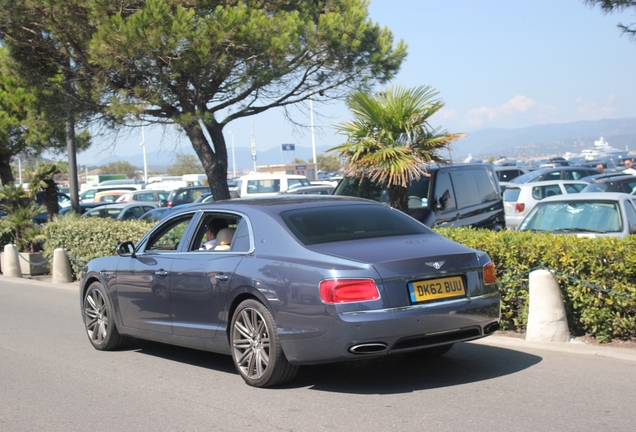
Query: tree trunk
{"x": 72, "y": 163}
{"x": 214, "y": 163}
{"x": 6, "y": 176}
{"x": 398, "y": 197}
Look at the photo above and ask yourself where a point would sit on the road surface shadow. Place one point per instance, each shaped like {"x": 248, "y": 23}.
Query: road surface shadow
{"x": 198, "y": 358}
{"x": 465, "y": 363}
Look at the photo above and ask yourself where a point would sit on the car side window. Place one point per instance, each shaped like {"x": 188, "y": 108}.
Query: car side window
{"x": 556, "y": 175}
{"x": 540, "y": 192}
{"x": 168, "y": 237}
{"x": 573, "y": 187}
{"x": 241, "y": 240}
{"x": 444, "y": 194}
{"x": 225, "y": 237}
{"x": 631, "y": 214}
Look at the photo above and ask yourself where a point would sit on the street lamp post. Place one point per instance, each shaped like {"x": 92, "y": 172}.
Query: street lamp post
{"x": 313, "y": 136}
{"x": 233, "y": 159}
{"x": 143, "y": 146}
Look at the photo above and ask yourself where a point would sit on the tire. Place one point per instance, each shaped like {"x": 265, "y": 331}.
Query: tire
{"x": 99, "y": 320}
{"x": 256, "y": 350}
{"x": 431, "y": 353}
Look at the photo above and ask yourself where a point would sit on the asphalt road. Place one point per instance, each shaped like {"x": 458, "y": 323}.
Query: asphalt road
{"x": 51, "y": 379}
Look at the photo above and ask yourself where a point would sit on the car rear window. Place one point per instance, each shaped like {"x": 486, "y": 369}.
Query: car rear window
{"x": 511, "y": 194}
{"x": 352, "y": 222}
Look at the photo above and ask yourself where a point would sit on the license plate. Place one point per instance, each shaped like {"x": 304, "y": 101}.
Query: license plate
{"x": 435, "y": 289}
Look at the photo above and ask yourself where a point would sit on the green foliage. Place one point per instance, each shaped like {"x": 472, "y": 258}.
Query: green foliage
{"x": 200, "y": 64}
{"x": 606, "y": 262}
{"x": 185, "y": 164}
{"x": 88, "y": 238}
{"x": 618, "y": 5}
{"x": 26, "y": 124}
{"x": 18, "y": 226}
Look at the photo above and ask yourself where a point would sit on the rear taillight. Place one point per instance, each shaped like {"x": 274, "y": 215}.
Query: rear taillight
{"x": 348, "y": 290}
{"x": 122, "y": 201}
{"x": 169, "y": 204}
{"x": 520, "y": 207}
{"x": 490, "y": 274}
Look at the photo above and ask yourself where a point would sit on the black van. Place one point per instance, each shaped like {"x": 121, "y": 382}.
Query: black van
{"x": 449, "y": 195}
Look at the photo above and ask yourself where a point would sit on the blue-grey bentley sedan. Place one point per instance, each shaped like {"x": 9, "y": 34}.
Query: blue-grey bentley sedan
{"x": 292, "y": 280}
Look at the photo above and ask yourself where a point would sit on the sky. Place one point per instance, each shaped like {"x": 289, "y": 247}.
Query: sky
{"x": 495, "y": 64}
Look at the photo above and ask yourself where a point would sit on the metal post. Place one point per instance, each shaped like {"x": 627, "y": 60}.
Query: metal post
{"x": 313, "y": 136}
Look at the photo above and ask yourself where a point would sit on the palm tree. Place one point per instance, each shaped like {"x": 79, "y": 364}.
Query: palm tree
{"x": 390, "y": 139}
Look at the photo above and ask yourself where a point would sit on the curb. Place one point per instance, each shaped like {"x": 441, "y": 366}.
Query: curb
{"x": 573, "y": 347}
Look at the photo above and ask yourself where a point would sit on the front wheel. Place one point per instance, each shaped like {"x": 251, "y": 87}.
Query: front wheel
{"x": 99, "y": 320}
{"x": 256, "y": 351}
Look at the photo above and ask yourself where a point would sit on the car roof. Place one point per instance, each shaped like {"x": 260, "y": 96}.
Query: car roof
{"x": 586, "y": 196}
{"x": 543, "y": 183}
{"x": 613, "y": 179}
{"x": 123, "y": 205}
{"x": 277, "y": 203}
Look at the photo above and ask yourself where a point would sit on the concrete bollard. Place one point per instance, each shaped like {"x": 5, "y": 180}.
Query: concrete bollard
{"x": 10, "y": 261}
{"x": 546, "y": 314}
{"x": 61, "y": 267}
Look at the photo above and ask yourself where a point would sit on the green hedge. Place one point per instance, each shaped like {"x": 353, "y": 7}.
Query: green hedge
{"x": 88, "y": 238}
{"x": 597, "y": 277}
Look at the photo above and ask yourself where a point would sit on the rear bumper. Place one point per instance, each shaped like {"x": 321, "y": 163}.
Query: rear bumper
{"x": 381, "y": 332}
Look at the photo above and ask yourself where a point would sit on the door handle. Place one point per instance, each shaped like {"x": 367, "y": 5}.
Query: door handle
{"x": 161, "y": 273}
{"x": 221, "y": 277}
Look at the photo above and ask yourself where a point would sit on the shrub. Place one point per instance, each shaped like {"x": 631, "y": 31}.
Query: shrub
{"x": 597, "y": 277}
{"x": 88, "y": 238}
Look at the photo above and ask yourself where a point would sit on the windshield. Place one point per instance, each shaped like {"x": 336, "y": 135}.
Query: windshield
{"x": 524, "y": 178}
{"x": 574, "y": 216}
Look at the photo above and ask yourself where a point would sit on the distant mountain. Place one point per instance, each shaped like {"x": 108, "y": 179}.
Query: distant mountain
{"x": 532, "y": 141}
{"x": 547, "y": 139}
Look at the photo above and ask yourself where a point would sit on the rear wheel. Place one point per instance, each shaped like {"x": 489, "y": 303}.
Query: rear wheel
{"x": 432, "y": 353}
{"x": 99, "y": 320}
{"x": 256, "y": 351}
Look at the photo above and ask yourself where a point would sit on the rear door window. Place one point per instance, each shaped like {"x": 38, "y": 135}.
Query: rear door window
{"x": 444, "y": 193}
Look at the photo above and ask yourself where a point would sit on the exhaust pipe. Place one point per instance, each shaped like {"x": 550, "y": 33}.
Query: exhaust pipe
{"x": 491, "y": 328}
{"x": 368, "y": 348}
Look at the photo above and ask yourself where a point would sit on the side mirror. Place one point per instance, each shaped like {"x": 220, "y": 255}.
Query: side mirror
{"x": 633, "y": 229}
{"x": 126, "y": 248}
{"x": 163, "y": 203}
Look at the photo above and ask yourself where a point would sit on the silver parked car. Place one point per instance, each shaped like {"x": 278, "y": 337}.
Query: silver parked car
{"x": 293, "y": 280}
{"x": 120, "y": 211}
{"x": 519, "y": 199}
{"x": 586, "y": 214}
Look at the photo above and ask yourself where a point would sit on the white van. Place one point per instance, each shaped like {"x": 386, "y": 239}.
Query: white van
{"x": 268, "y": 184}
